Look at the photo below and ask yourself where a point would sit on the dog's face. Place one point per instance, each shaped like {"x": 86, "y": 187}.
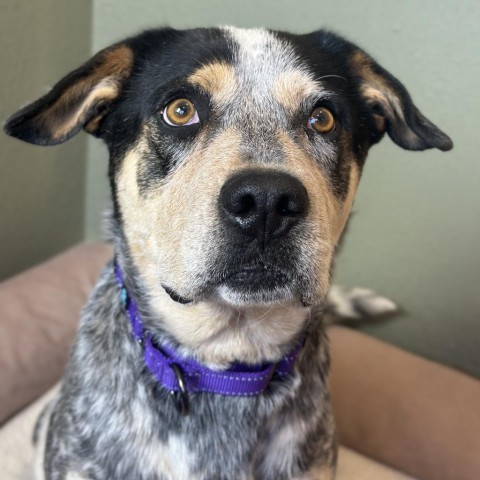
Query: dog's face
{"x": 235, "y": 154}
{"x": 242, "y": 173}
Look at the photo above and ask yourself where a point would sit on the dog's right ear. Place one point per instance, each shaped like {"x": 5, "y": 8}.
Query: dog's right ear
{"x": 79, "y": 100}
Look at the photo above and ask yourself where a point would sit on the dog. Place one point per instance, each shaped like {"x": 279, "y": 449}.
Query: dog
{"x": 235, "y": 156}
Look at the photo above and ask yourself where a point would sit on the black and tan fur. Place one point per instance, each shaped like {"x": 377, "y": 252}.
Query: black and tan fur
{"x": 201, "y": 283}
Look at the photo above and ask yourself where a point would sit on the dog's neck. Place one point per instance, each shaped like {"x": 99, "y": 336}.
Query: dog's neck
{"x": 215, "y": 333}
{"x": 219, "y": 335}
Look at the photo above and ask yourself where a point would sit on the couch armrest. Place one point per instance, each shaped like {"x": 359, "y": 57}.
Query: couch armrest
{"x": 40, "y": 313}
{"x": 413, "y": 414}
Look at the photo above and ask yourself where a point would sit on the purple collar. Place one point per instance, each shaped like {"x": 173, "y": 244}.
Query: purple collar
{"x": 182, "y": 376}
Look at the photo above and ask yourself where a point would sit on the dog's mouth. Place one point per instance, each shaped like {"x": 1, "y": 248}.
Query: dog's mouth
{"x": 259, "y": 284}
{"x": 245, "y": 285}
{"x": 176, "y": 297}
{"x": 252, "y": 281}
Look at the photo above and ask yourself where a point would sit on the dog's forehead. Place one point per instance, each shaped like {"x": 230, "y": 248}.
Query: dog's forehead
{"x": 263, "y": 67}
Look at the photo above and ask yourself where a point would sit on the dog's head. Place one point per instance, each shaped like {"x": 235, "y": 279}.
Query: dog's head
{"x": 235, "y": 154}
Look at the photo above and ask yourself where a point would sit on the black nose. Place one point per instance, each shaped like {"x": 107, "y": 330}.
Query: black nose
{"x": 263, "y": 204}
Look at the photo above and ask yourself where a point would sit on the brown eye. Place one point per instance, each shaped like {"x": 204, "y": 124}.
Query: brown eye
{"x": 180, "y": 112}
{"x": 321, "y": 120}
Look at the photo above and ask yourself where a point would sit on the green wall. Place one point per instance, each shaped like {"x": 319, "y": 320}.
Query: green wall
{"x": 416, "y": 232}
{"x": 41, "y": 189}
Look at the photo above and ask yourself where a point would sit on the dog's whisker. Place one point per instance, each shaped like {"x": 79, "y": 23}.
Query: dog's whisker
{"x": 332, "y": 76}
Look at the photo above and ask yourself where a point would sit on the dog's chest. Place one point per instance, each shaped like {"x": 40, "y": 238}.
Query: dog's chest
{"x": 219, "y": 439}
{"x": 174, "y": 462}
{"x": 223, "y": 453}
{"x": 146, "y": 438}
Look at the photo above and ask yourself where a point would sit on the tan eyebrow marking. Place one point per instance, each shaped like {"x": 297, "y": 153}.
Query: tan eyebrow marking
{"x": 216, "y": 79}
{"x": 293, "y": 86}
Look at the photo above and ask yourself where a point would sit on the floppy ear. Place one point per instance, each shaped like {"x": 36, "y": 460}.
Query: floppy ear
{"x": 79, "y": 100}
{"x": 392, "y": 107}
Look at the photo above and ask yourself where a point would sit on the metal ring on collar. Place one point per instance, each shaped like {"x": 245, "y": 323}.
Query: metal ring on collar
{"x": 180, "y": 398}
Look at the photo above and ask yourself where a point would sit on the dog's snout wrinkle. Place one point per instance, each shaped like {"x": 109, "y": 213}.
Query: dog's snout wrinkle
{"x": 263, "y": 204}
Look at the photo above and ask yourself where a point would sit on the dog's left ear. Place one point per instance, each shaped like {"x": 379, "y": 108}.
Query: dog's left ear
{"x": 392, "y": 108}
{"x": 79, "y": 100}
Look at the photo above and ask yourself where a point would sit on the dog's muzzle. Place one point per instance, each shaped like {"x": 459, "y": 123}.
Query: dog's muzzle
{"x": 263, "y": 205}
{"x": 260, "y": 211}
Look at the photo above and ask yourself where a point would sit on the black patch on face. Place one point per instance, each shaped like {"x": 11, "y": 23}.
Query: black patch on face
{"x": 165, "y": 142}
{"x": 163, "y": 59}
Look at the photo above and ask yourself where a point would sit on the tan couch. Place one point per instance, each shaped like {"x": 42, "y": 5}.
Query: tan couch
{"x": 392, "y": 408}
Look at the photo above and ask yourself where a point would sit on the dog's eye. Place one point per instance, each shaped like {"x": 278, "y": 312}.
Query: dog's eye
{"x": 180, "y": 112}
{"x": 321, "y": 120}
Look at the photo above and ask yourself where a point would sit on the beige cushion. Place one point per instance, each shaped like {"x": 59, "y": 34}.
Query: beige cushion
{"x": 40, "y": 312}
{"x": 17, "y": 455}
{"x": 354, "y": 466}
{"x": 17, "y": 459}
